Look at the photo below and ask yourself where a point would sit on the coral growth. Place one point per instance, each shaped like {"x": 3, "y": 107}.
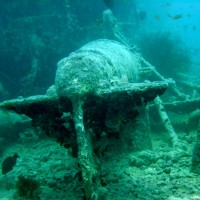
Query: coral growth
{"x": 27, "y": 187}
{"x": 167, "y": 54}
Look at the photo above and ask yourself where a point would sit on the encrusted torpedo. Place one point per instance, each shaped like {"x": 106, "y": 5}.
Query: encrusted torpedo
{"x": 105, "y": 69}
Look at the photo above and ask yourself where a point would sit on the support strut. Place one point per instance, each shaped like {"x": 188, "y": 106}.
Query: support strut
{"x": 90, "y": 176}
{"x": 166, "y": 121}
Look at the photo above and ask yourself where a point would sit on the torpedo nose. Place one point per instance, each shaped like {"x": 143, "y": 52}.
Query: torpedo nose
{"x": 98, "y": 64}
{"x": 78, "y": 75}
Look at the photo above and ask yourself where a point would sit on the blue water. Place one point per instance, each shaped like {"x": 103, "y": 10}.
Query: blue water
{"x": 187, "y": 27}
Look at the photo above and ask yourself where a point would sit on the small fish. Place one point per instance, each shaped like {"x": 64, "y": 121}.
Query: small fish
{"x": 185, "y": 27}
{"x": 157, "y": 17}
{"x": 9, "y": 163}
{"x": 194, "y": 28}
{"x": 142, "y": 15}
{"x": 166, "y": 5}
{"x": 175, "y": 17}
{"x": 109, "y": 3}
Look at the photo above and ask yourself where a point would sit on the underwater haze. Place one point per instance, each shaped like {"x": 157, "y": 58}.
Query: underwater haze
{"x": 99, "y": 100}
{"x": 180, "y": 18}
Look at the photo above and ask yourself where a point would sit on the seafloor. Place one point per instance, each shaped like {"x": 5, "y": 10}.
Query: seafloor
{"x": 157, "y": 174}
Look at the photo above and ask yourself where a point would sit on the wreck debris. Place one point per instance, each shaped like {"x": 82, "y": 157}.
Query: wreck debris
{"x": 12, "y": 124}
{"x": 171, "y": 82}
{"x": 186, "y": 106}
{"x": 112, "y": 27}
{"x": 135, "y": 141}
{"x": 190, "y": 85}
